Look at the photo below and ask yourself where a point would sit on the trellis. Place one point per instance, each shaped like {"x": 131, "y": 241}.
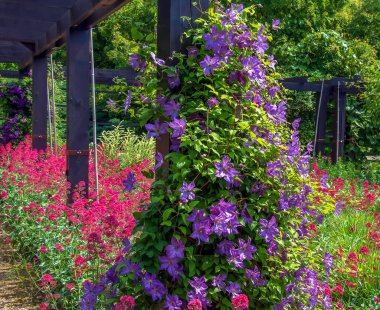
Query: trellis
{"x": 29, "y": 30}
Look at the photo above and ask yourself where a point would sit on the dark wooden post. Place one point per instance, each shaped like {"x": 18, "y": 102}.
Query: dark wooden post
{"x": 339, "y": 124}
{"x": 22, "y": 73}
{"x": 78, "y": 111}
{"x": 170, "y": 27}
{"x": 39, "y": 103}
{"x": 321, "y": 115}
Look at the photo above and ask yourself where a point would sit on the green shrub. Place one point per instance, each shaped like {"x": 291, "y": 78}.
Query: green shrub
{"x": 127, "y": 147}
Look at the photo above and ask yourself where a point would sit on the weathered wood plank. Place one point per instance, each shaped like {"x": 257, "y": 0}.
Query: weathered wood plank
{"x": 39, "y": 103}
{"x": 78, "y": 112}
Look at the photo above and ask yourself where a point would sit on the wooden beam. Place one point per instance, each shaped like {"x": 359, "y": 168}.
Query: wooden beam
{"x": 78, "y": 113}
{"x": 9, "y": 74}
{"x": 103, "y": 12}
{"x": 321, "y": 118}
{"x": 339, "y": 125}
{"x": 39, "y": 103}
{"x": 43, "y": 3}
{"x": 170, "y": 27}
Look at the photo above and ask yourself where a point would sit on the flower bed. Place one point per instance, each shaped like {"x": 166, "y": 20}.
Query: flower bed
{"x": 352, "y": 234}
{"x": 64, "y": 245}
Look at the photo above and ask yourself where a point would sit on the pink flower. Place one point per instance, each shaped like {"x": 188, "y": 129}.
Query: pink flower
{"x": 58, "y": 247}
{"x": 70, "y": 286}
{"x": 43, "y": 306}
{"x": 79, "y": 260}
{"x": 194, "y": 304}
{"x": 364, "y": 250}
{"x": 43, "y": 249}
{"x": 240, "y": 302}
{"x": 47, "y": 279}
{"x": 128, "y": 302}
{"x": 8, "y": 240}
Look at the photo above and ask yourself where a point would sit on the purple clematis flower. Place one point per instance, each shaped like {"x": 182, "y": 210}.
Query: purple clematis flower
{"x": 210, "y": 64}
{"x": 178, "y": 126}
{"x": 199, "y": 285}
{"x": 157, "y": 61}
{"x": 269, "y": 229}
{"x": 171, "y": 109}
{"x": 232, "y": 13}
{"x": 218, "y": 281}
{"x": 212, "y": 102}
{"x": 246, "y": 248}
{"x": 156, "y": 129}
{"x": 233, "y": 288}
{"x": 128, "y": 101}
{"x": 275, "y": 24}
{"x": 187, "y": 192}
{"x": 173, "y": 303}
{"x": 236, "y": 258}
{"x": 225, "y": 169}
{"x": 111, "y": 103}
{"x": 175, "y": 249}
{"x": 201, "y": 225}
{"x": 136, "y": 62}
{"x": 255, "y": 276}
{"x": 328, "y": 260}
{"x": 159, "y": 160}
{"x": 129, "y": 183}
{"x": 170, "y": 264}
{"x": 224, "y": 247}
{"x": 215, "y": 40}
{"x": 193, "y": 51}
{"x": 174, "y": 80}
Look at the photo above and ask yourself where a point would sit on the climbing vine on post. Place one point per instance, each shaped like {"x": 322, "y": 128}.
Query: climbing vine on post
{"x": 229, "y": 226}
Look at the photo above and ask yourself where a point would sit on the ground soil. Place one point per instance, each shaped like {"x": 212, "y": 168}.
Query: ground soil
{"x": 15, "y": 293}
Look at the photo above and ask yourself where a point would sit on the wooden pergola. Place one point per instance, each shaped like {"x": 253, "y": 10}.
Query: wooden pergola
{"x": 336, "y": 89}
{"x": 30, "y": 29}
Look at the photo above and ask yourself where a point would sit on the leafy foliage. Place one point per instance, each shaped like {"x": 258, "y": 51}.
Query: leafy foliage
{"x": 235, "y": 200}
{"x": 125, "y": 146}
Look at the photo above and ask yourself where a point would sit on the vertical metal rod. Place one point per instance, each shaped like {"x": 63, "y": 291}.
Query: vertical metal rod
{"x": 318, "y": 112}
{"x": 49, "y": 117}
{"x": 338, "y": 126}
{"x": 94, "y": 117}
{"x": 54, "y": 120}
